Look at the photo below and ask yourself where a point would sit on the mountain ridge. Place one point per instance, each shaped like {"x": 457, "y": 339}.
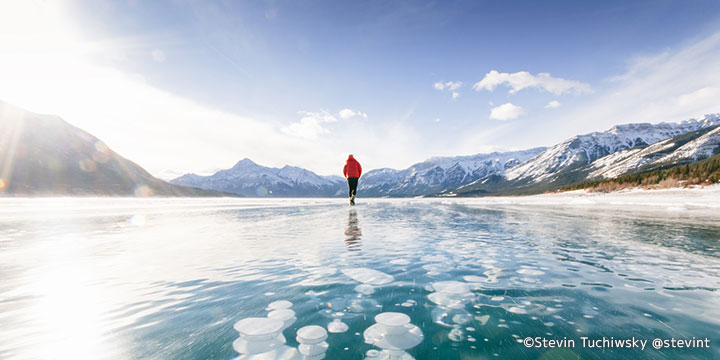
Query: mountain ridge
{"x": 43, "y": 155}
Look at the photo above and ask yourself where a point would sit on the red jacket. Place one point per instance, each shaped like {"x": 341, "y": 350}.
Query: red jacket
{"x": 352, "y": 168}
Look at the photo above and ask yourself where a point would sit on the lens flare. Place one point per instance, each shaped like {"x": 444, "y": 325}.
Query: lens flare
{"x": 2, "y": 183}
{"x": 143, "y": 191}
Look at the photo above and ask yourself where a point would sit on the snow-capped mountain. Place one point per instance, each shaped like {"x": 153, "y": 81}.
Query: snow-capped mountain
{"x": 581, "y": 158}
{"x": 581, "y": 150}
{"x": 250, "y": 179}
{"x": 688, "y": 147}
{"x": 441, "y": 173}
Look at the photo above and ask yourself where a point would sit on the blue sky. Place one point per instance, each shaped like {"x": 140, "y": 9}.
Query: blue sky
{"x": 306, "y": 82}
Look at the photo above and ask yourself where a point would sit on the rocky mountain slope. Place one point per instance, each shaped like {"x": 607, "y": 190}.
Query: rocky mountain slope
{"x": 581, "y": 150}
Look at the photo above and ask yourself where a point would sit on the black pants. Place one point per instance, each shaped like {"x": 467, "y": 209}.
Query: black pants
{"x": 352, "y": 185}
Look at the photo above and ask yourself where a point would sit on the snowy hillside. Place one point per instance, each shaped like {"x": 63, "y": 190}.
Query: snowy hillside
{"x": 684, "y": 148}
{"x": 250, "y": 179}
{"x": 584, "y": 149}
{"x": 441, "y": 173}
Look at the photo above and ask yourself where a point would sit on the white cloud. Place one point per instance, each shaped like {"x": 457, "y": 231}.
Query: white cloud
{"x": 506, "y": 111}
{"x": 349, "y": 113}
{"x": 707, "y": 95}
{"x": 310, "y": 125}
{"x": 436, "y": 120}
{"x": 523, "y": 80}
{"x": 673, "y": 85}
{"x": 553, "y": 104}
{"x": 451, "y": 86}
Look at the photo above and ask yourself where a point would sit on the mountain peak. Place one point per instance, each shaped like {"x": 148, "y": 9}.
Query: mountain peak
{"x": 244, "y": 163}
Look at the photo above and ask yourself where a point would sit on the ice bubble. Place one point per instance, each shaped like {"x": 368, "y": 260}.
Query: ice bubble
{"x": 455, "y": 335}
{"x": 311, "y": 335}
{"x": 517, "y": 310}
{"x": 282, "y": 304}
{"x": 376, "y": 335}
{"x": 482, "y": 319}
{"x": 372, "y": 353}
{"x": 314, "y": 349}
{"x": 337, "y": 326}
{"x": 329, "y": 313}
{"x": 497, "y": 298}
{"x": 453, "y": 301}
{"x": 392, "y": 319}
{"x": 446, "y": 317}
{"x": 451, "y": 287}
{"x": 362, "y": 305}
{"x": 461, "y": 319}
{"x": 259, "y": 329}
{"x": 337, "y": 303}
{"x": 244, "y": 346}
{"x": 365, "y": 289}
{"x": 473, "y": 278}
{"x": 527, "y": 271}
{"x": 368, "y": 276}
{"x": 287, "y": 316}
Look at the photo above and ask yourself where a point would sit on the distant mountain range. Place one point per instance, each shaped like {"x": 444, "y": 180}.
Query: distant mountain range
{"x": 441, "y": 174}
{"x": 42, "y": 155}
{"x": 426, "y": 178}
{"x": 610, "y": 153}
{"x": 602, "y": 155}
{"x": 250, "y": 179}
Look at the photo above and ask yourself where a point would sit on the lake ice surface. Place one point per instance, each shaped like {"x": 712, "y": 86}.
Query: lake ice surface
{"x": 168, "y": 278}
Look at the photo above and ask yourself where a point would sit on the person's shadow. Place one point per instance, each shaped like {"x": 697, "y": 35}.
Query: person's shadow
{"x": 353, "y": 234}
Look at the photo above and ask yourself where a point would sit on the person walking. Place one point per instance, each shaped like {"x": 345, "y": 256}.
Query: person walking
{"x": 352, "y": 172}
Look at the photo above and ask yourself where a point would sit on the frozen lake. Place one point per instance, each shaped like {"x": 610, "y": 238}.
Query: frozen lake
{"x": 168, "y": 278}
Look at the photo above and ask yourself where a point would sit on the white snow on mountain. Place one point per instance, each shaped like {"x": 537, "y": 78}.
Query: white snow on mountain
{"x": 610, "y": 153}
{"x": 585, "y": 149}
{"x": 441, "y": 173}
{"x": 623, "y": 161}
{"x": 250, "y": 179}
{"x": 699, "y": 148}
